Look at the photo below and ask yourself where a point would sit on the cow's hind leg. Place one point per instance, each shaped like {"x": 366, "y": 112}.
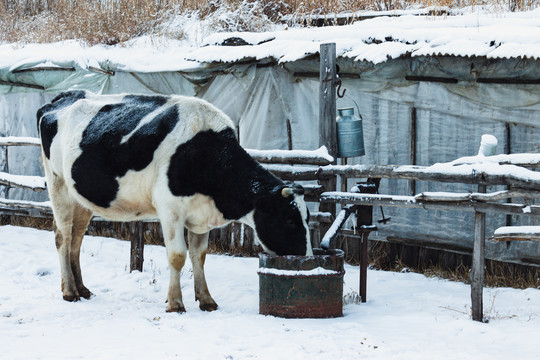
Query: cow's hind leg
{"x": 173, "y": 236}
{"x": 63, "y": 210}
{"x": 198, "y": 245}
{"x": 81, "y": 218}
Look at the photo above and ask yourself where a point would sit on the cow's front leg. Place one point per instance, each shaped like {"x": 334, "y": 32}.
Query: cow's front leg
{"x": 198, "y": 245}
{"x": 173, "y": 236}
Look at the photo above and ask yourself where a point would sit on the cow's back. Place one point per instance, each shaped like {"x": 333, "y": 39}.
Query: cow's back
{"x": 111, "y": 150}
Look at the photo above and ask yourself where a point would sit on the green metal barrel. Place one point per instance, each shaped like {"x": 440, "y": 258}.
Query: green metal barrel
{"x": 302, "y": 286}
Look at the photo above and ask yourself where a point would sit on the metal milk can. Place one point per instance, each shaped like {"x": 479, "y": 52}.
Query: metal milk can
{"x": 350, "y": 134}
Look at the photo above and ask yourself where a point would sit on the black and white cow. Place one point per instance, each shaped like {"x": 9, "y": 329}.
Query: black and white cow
{"x": 134, "y": 157}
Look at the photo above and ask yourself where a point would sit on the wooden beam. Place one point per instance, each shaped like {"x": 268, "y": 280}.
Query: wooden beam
{"x": 136, "y": 234}
{"x": 19, "y": 141}
{"x": 431, "y": 79}
{"x": 411, "y": 202}
{"x": 516, "y": 237}
{"x": 303, "y": 157}
{"x": 327, "y": 119}
{"x": 35, "y": 183}
{"x": 413, "y": 147}
{"x": 327, "y": 98}
{"x": 467, "y": 175}
{"x": 101, "y": 71}
{"x": 26, "y": 205}
{"x": 478, "y": 263}
{"x": 18, "y": 84}
{"x": 43, "y": 68}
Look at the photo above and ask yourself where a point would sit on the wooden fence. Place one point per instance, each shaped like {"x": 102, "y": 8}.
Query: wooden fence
{"x": 514, "y": 171}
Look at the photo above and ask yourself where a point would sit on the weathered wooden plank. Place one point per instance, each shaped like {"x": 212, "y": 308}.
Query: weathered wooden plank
{"x": 478, "y": 263}
{"x": 411, "y": 202}
{"x": 136, "y": 234}
{"x": 327, "y": 117}
{"x": 43, "y": 68}
{"x": 516, "y": 237}
{"x": 18, "y": 84}
{"x": 19, "y": 141}
{"x": 327, "y": 98}
{"x": 463, "y": 175}
{"x": 26, "y": 205}
{"x": 494, "y": 196}
{"x": 102, "y": 71}
{"x": 516, "y": 233}
{"x": 35, "y": 183}
{"x": 309, "y": 157}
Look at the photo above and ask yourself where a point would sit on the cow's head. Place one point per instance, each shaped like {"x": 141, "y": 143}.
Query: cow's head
{"x": 281, "y": 221}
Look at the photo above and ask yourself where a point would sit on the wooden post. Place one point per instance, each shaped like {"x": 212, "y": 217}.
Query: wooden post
{"x": 136, "y": 234}
{"x": 6, "y": 170}
{"x": 327, "y": 119}
{"x": 327, "y": 98}
{"x": 413, "y": 147}
{"x": 477, "y": 271}
{"x": 289, "y": 134}
{"x": 364, "y": 216}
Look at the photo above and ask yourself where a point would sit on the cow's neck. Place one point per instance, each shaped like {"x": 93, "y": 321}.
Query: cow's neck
{"x": 214, "y": 164}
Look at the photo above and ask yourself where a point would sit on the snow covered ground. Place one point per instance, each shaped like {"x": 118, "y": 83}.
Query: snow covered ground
{"x": 407, "y": 316}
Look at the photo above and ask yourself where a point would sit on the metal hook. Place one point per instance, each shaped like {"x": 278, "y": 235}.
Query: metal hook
{"x": 339, "y": 89}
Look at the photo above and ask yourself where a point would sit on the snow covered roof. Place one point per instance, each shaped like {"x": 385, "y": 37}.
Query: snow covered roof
{"x": 503, "y": 35}
{"x": 491, "y": 35}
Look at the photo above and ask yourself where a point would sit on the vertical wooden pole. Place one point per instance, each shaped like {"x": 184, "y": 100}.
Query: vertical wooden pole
{"x": 6, "y": 170}
{"x": 508, "y": 151}
{"x": 289, "y": 134}
{"x": 478, "y": 262}
{"x": 327, "y": 120}
{"x": 327, "y": 98}
{"x": 364, "y": 216}
{"x": 136, "y": 233}
{"x": 413, "y": 147}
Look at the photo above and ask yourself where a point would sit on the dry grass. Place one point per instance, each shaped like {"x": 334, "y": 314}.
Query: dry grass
{"x": 116, "y": 21}
{"x": 497, "y": 274}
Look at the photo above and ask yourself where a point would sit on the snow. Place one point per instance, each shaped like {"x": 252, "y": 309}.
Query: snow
{"x": 334, "y": 228}
{"x": 24, "y": 180}
{"x": 494, "y": 34}
{"x": 510, "y": 230}
{"x": 313, "y": 272}
{"x": 407, "y": 316}
{"x": 321, "y": 153}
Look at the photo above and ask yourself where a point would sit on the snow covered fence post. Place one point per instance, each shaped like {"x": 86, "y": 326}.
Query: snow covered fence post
{"x": 327, "y": 118}
{"x": 488, "y": 146}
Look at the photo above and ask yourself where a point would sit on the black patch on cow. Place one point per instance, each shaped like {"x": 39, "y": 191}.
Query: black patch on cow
{"x": 104, "y": 158}
{"x": 48, "y": 121}
{"x": 214, "y": 164}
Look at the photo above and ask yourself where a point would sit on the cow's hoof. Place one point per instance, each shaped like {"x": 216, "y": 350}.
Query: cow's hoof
{"x": 177, "y": 309}
{"x": 208, "y": 307}
{"x": 85, "y": 293}
{"x": 71, "y": 298}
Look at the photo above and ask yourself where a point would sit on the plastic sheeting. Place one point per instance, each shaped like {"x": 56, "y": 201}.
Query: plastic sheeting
{"x": 450, "y": 119}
